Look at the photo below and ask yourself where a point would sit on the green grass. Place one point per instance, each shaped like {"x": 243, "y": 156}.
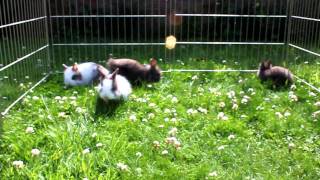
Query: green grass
{"x": 260, "y": 149}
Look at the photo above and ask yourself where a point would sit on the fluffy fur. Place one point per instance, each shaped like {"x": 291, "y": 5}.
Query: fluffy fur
{"x": 80, "y": 74}
{"x": 113, "y": 86}
{"x": 135, "y": 72}
{"x": 279, "y": 76}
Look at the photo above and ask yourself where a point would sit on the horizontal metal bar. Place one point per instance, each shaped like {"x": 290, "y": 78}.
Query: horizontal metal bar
{"x": 107, "y": 16}
{"x": 24, "y": 57}
{"x": 182, "y": 43}
{"x": 206, "y": 70}
{"x": 308, "y": 84}
{"x": 162, "y": 15}
{"x": 233, "y": 15}
{"x": 305, "y": 50}
{"x": 306, "y": 18}
{"x": 22, "y": 22}
{"x": 23, "y": 95}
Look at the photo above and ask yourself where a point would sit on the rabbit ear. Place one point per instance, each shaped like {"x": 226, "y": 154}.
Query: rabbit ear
{"x": 153, "y": 62}
{"x": 113, "y": 75}
{"x": 102, "y": 71}
{"x": 75, "y": 67}
{"x": 64, "y": 66}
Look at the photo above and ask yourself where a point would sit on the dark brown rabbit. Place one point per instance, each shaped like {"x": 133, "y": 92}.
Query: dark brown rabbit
{"x": 135, "y": 72}
{"x": 279, "y": 76}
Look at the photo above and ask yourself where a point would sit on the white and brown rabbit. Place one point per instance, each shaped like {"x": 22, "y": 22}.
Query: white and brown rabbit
{"x": 135, "y": 72}
{"x": 80, "y": 74}
{"x": 279, "y": 76}
{"x": 113, "y": 86}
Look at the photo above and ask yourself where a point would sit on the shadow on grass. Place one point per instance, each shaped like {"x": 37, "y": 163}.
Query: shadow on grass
{"x": 106, "y": 109}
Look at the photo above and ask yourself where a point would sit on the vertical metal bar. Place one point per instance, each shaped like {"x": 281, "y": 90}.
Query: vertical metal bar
{"x": 92, "y": 52}
{"x": 241, "y": 26}
{"x": 235, "y": 11}
{"x": 47, "y": 21}
{"x": 111, "y": 31}
{"x": 65, "y": 51}
{"x": 105, "y": 53}
{"x": 125, "y": 27}
{"x": 208, "y": 29}
{"x": 51, "y": 37}
{"x": 77, "y": 12}
{"x": 84, "y": 29}
{"x": 188, "y": 28}
{"x": 313, "y": 14}
{"x": 71, "y": 31}
{"x": 228, "y": 31}
{"x": 139, "y": 51}
{"x": 166, "y": 27}
{"x": 316, "y": 38}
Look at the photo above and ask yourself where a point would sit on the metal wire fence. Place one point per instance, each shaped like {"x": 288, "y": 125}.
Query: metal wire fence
{"x": 37, "y": 36}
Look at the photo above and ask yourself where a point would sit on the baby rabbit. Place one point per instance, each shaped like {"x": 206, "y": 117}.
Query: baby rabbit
{"x": 135, "y": 72}
{"x": 279, "y": 76}
{"x": 113, "y": 86}
{"x": 80, "y": 74}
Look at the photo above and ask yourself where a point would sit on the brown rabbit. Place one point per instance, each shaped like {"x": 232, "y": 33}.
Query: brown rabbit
{"x": 279, "y": 76}
{"x": 135, "y": 72}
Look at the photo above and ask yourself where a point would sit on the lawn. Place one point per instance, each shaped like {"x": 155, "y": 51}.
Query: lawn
{"x": 188, "y": 126}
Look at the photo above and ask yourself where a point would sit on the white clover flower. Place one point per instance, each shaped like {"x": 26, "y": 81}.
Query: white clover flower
{"x": 18, "y": 164}
{"x": 213, "y": 174}
{"x": 85, "y": 178}
{"x": 224, "y": 61}
{"x": 35, "y": 152}
{"x": 202, "y": 110}
{"x": 293, "y": 87}
{"x": 231, "y": 136}
{"x": 286, "y": 114}
{"x": 91, "y": 91}
{"x": 267, "y": 99}
{"x": 174, "y": 120}
{"x": 240, "y": 81}
{"x": 152, "y": 105}
{"x": 259, "y": 108}
{"x": 315, "y": 114}
{"x": 173, "y": 131}
{"x": 200, "y": 89}
{"x": 291, "y": 145}
{"x": 231, "y": 94}
{"x": 166, "y": 119}
{"x": 222, "y": 104}
{"x": 191, "y": 111}
{"x": 174, "y": 100}
{"x": 243, "y": 116}
{"x": 149, "y": 85}
{"x": 317, "y": 104}
{"x": 57, "y": 98}
{"x": 151, "y": 115}
{"x": 222, "y": 116}
{"x": 99, "y": 145}
{"x": 29, "y": 130}
{"x": 167, "y": 111}
{"x": 64, "y": 98}
{"x": 220, "y": 148}
{"x": 156, "y": 144}
{"x": 62, "y": 115}
{"x": 165, "y": 152}
{"x": 244, "y": 101}
{"x": 235, "y": 106}
{"x": 122, "y": 166}
{"x": 194, "y": 77}
{"x": 212, "y": 90}
{"x": 49, "y": 117}
{"x": 250, "y": 90}
{"x": 138, "y": 154}
{"x": 35, "y": 98}
{"x": 171, "y": 140}
{"x": 312, "y": 94}
{"x": 72, "y": 97}
{"x": 177, "y": 144}
{"x": 161, "y": 126}
{"x": 94, "y": 135}
{"x": 279, "y": 115}
{"x": 293, "y": 97}
{"x": 79, "y": 110}
{"x": 86, "y": 151}
{"x": 133, "y": 117}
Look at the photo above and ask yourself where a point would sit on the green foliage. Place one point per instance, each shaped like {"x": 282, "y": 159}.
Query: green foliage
{"x": 269, "y": 136}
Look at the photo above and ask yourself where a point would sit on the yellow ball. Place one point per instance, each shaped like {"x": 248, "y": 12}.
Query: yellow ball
{"x": 171, "y": 42}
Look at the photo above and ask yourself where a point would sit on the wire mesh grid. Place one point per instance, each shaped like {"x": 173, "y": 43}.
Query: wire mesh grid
{"x": 37, "y": 36}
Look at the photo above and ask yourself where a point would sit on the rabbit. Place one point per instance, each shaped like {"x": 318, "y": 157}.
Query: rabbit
{"x": 135, "y": 72}
{"x": 113, "y": 86}
{"x": 80, "y": 74}
{"x": 279, "y": 76}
